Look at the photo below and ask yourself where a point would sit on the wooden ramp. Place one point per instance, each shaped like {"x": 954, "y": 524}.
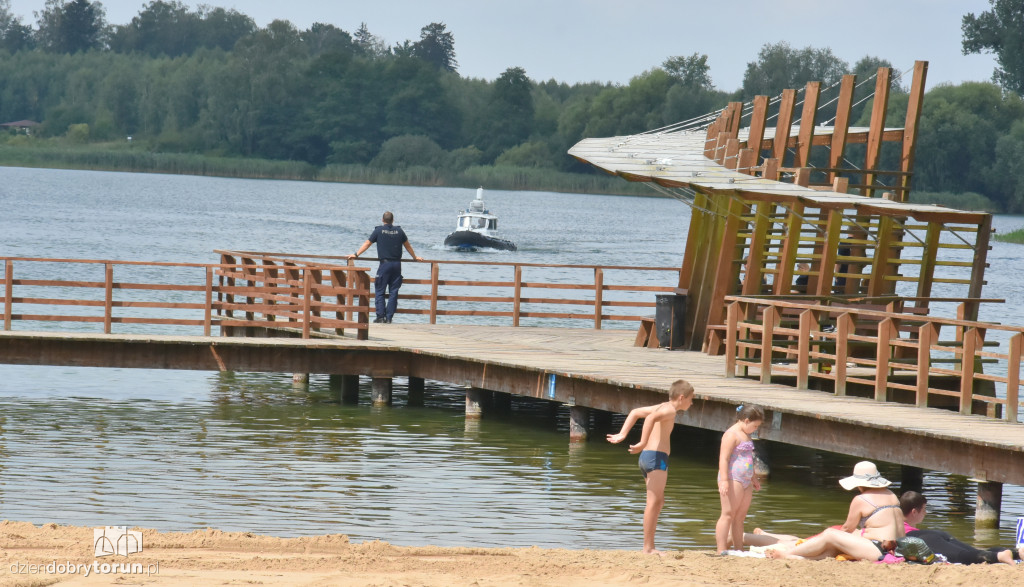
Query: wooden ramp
{"x": 590, "y": 368}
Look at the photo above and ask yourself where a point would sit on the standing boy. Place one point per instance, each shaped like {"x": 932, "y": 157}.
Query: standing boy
{"x": 390, "y": 239}
{"x": 654, "y": 447}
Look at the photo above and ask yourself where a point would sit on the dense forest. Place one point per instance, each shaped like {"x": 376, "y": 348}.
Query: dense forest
{"x": 209, "y": 84}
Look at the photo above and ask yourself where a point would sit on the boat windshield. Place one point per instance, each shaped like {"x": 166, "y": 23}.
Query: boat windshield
{"x": 492, "y": 224}
{"x": 479, "y": 222}
{"x": 464, "y": 221}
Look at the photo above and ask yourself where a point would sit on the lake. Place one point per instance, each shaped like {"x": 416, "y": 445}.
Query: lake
{"x": 241, "y": 451}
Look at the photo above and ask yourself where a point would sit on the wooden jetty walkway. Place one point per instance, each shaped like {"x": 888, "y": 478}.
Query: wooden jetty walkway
{"x": 591, "y": 369}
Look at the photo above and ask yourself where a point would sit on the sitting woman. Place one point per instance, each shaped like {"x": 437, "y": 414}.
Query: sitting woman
{"x": 914, "y": 507}
{"x": 874, "y": 523}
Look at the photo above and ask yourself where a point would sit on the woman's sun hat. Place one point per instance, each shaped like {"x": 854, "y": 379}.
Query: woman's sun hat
{"x": 865, "y": 474}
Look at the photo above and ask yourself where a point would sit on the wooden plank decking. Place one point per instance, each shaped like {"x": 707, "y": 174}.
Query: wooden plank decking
{"x": 594, "y": 368}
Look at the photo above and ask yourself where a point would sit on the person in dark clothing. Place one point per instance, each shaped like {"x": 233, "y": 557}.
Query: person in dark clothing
{"x": 389, "y": 239}
{"x": 914, "y": 506}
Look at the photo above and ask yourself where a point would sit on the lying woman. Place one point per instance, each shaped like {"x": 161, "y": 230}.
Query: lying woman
{"x": 871, "y": 528}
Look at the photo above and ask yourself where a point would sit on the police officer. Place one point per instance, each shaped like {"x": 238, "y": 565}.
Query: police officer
{"x": 390, "y": 239}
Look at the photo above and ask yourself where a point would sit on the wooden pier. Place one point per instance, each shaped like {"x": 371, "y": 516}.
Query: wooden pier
{"x": 584, "y": 368}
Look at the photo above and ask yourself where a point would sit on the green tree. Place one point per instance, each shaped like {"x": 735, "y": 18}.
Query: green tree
{"x": 418, "y": 105}
{"x": 326, "y": 38}
{"x": 960, "y": 128}
{"x": 779, "y": 67}
{"x": 370, "y": 44}
{"x": 437, "y": 47}
{"x": 222, "y": 28}
{"x": 690, "y": 71}
{"x": 409, "y": 151}
{"x": 638, "y": 107}
{"x": 73, "y": 26}
{"x": 999, "y": 31}
{"x": 508, "y": 117}
{"x": 161, "y": 28}
{"x": 14, "y": 35}
{"x": 1009, "y": 186}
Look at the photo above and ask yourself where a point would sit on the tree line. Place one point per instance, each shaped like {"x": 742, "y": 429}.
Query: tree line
{"x": 209, "y": 81}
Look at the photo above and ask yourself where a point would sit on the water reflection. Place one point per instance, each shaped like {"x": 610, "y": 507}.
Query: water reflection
{"x": 250, "y": 452}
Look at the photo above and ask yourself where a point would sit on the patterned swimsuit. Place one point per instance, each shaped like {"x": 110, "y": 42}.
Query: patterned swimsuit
{"x": 741, "y": 463}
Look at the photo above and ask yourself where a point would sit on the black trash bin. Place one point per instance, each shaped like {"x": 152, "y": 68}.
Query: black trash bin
{"x": 670, "y": 320}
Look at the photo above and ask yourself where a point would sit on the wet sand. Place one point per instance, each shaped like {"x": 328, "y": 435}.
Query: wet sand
{"x": 43, "y": 555}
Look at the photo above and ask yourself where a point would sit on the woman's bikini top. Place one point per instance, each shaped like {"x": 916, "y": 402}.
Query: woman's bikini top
{"x": 877, "y": 509}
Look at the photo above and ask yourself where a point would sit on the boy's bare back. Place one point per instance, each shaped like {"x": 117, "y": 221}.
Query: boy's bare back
{"x": 664, "y": 417}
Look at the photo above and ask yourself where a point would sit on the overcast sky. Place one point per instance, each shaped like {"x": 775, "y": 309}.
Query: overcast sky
{"x": 612, "y": 41}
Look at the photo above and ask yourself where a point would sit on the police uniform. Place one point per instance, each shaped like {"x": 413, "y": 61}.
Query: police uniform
{"x": 389, "y": 240}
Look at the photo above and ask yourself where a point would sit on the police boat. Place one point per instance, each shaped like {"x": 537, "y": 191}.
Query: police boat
{"x": 477, "y": 229}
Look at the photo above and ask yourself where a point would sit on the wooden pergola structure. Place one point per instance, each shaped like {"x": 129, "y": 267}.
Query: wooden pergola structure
{"x": 761, "y": 226}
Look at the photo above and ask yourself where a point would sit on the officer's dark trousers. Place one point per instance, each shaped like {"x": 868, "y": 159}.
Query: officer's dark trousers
{"x": 389, "y": 280}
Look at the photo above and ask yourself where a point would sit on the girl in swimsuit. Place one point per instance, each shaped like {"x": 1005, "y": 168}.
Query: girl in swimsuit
{"x": 736, "y": 479}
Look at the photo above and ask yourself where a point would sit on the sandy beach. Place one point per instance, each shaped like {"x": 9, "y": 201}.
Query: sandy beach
{"x": 52, "y": 554}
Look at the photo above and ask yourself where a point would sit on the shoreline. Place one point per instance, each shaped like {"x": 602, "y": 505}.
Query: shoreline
{"x": 53, "y": 554}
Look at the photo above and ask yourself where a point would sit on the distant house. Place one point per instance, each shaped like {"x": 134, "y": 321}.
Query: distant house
{"x": 21, "y": 124}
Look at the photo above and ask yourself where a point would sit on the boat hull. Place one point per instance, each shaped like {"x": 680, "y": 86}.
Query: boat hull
{"x": 468, "y": 240}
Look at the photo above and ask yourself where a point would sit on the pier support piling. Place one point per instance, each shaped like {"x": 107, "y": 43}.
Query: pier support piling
{"x": 601, "y": 422}
{"x": 579, "y": 422}
{"x": 990, "y": 500}
{"x": 502, "y": 403}
{"x": 911, "y": 478}
{"x": 762, "y": 459}
{"x": 380, "y": 391}
{"x": 347, "y": 387}
{"x": 416, "y": 391}
{"x": 475, "y": 399}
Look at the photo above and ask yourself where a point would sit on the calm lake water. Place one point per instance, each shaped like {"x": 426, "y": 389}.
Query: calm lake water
{"x": 184, "y": 450}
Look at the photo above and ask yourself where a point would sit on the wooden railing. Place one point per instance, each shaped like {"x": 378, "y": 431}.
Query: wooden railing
{"x": 886, "y": 351}
{"x": 307, "y": 298}
{"x": 554, "y": 294}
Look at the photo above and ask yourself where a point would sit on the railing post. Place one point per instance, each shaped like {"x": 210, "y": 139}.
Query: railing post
{"x": 362, "y": 282}
{"x": 967, "y": 359}
{"x": 517, "y": 295}
{"x": 317, "y": 279}
{"x": 341, "y": 299}
{"x": 732, "y": 316}
{"x": 769, "y": 318}
{"x": 844, "y": 328}
{"x": 803, "y": 349}
{"x": 745, "y": 311}
{"x": 248, "y": 271}
{"x": 229, "y": 282}
{"x": 883, "y": 353}
{"x": 1013, "y": 377}
{"x": 598, "y": 296}
{"x": 8, "y": 292}
{"x": 927, "y": 334}
{"x": 208, "y": 310}
{"x": 307, "y": 289}
{"x": 270, "y": 285}
{"x": 108, "y": 302}
{"x": 435, "y": 273}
